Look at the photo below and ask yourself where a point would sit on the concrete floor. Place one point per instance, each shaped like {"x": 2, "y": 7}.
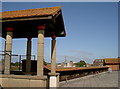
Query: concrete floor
{"x": 105, "y": 80}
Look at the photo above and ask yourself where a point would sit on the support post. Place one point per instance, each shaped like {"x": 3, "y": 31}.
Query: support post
{"x": 54, "y": 77}
{"x": 53, "y": 56}
{"x": 28, "y": 56}
{"x": 40, "y": 55}
{"x": 8, "y": 49}
{"x": 54, "y": 80}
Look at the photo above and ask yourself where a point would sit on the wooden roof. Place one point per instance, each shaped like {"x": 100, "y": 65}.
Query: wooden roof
{"x": 25, "y": 22}
{"x": 30, "y": 12}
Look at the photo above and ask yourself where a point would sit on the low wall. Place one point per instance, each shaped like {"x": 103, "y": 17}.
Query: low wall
{"x": 67, "y": 75}
{"x": 23, "y": 81}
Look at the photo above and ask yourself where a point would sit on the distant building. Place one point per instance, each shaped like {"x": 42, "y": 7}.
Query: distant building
{"x": 99, "y": 62}
{"x": 88, "y": 65}
{"x": 113, "y": 63}
{"x": 68, "y": 64}
{"x": 62, "y": 64}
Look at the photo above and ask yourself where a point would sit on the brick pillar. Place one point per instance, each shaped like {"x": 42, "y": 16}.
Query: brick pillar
{"x": 8, "y": 49}
{"x": 40, "y": 55}
{"x": 28, "y": 55}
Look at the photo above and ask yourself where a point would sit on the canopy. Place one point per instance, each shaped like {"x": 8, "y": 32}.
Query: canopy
{"x": 25, "y": 22}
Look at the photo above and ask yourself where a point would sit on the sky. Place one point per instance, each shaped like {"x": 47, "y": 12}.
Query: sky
{"x": 91, "y": 27}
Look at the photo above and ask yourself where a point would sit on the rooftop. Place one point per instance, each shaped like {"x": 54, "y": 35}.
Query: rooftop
{"x": 112, "y": 60}
{"x": 25, "y": 22}
{"x": 30, "y": 12}
{"x": 58, "y": 69}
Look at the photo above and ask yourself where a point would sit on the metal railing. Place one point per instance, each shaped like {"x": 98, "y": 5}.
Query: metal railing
{"x": 14, "y": 58}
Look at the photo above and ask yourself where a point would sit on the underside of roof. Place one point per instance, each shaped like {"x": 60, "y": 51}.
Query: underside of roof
{"x": 25, "y": 22}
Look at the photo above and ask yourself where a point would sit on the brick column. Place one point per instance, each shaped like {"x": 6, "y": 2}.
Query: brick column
{"x": 28, "y": 55}
{"x": 40, "y": 55}
{"x": 8, "y": 49}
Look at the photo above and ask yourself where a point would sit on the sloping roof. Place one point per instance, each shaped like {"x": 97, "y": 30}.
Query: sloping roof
{"x": 112, "y": 60}
{"x": 75, "y": 68}
{"x": 30, "y": 12}
{"x": 25, "y": 22}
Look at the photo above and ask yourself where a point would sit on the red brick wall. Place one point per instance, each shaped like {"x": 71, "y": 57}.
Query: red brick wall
{"x": 114, "y": 67}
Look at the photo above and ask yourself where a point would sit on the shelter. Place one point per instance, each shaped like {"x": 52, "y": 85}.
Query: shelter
{"x": 32, "y": 23}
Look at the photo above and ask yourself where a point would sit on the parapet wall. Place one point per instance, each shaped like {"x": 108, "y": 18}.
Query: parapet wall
{"x": 23, "y": 81}
{"x": 80, "y": 72}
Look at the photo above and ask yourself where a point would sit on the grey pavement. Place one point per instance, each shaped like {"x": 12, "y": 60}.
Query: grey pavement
{"x": 104, "y": 79}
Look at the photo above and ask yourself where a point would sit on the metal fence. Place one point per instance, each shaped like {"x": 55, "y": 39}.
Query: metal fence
{"x": 15, "y": 59}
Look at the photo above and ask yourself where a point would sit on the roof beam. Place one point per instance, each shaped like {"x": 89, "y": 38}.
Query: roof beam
{"x": 26, "y": 19}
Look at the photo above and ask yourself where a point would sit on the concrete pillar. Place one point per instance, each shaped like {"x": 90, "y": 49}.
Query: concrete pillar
{"x": 54, "y": 80}
{"x": 53, "y": 56}
{"x": 28, "y": 55}
{"x": 40, "y": 55}
{"x": 8, "y": 49}
{"x": 54, "y": 77}
{"x": 4, "y": 51}
{"x": 58, "y": 78}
